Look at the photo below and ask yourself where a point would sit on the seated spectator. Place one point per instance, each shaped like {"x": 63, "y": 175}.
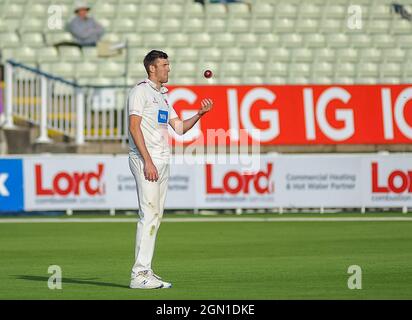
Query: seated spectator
{"x": 84, "y": 29}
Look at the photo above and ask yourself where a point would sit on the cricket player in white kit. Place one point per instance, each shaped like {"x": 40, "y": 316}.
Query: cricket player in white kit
{"x": 150, "y": 113}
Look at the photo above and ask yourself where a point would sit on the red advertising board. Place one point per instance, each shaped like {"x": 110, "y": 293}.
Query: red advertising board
{"x": 301, "y": 114}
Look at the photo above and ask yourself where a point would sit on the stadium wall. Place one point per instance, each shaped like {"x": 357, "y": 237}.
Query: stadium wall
{"x": 69, "y": 182}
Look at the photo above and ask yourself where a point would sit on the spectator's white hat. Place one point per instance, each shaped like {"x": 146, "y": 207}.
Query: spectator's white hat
{"x": 81, "y": 5}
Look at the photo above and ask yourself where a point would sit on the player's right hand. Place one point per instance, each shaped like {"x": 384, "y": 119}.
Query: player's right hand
{"x": 150, "y": 171}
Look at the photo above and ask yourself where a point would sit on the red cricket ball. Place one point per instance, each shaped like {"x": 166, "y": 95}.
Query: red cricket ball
{"x": 208, "y": 74}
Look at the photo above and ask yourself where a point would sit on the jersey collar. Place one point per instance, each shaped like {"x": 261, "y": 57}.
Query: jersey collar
{"x": 163, "y": 89}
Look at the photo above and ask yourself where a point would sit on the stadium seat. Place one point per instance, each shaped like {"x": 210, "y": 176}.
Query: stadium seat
{"x": 378, "y": 26}
{"x": 254, "y": 69}
{"x": 111, "y": 69}
{"x": 238, "y": 10}
{"x": 32, "y": 39}
{"x": 331, "y": 26}
{"x": 223, "y": 39}
{"x": 393, "y": 55}
{"x": 383, "y": 40}
{"x": 309, "y": 10}
{"x": 404, "y": 41}
{"x": 9, "y": 25}
{"x": 150, "y": 10}
{"x": 268, "y": 40}
{"x": 36, "y": 10}
{"x": 187, "y": 54}
{"x": 337, "y": 40}
{"x": 211, "y": 54}
{"x": 233, "y": 54}
{"x": 366, "y": 80}
{"x": 178, "y": 40}
{"x": 298, "y": 79}
{"x": 279, "y": 54}
{"x": 275, "y": 80}
{"x": 301, "y": 55}
{"x": 154, "y": 40}
{"x": 389, "y": 80}
{"x": 131, "y": 10}
{"x": 246, "y": 40}
{"x": 250, "y": 80}
{"x": 9, "y": 40}
{"x": 200, "y": 39}
{"x": 194, "y": 10}
{"x": 230, "y": 80}
{"x": 343, "y": 80}
{"x": 216, "y": 25}
{"x": 215, "y": 10}
{"x": 231, "y": 69}
{"x": 285, "y": 10}
{"x": 57, "y": 37}
{"x": 184, "y": 69}
{"x": 103, "y": 10}
{"x": 147, "y": 25}
{"x": 170, "y": 25}
{"x": 137, "y": 70}
{"x": 314, "y": 40}
{"x": 134, "y": 39}
{"x": 322, "y": 69}
{"x": 123, "y": 25}
{"x": 335, "y": 11}
{"x": 256, "y": 54}
{"x": 25, "y": 55}
{"x": 277, "y": 69}
{"x": 320, "y": 80}
{"x": 261, "y": 26}
{"x": 32, "y": 25}
{"x": 299, "y": 69}
{"x": 59, "y": 69}
{"x": 86, "y": 70}
{"x": 345, "y": 69}
{"x": 47, "y": 54}
{"x": 196, "y": 25}
{"x": 360, "y": 40}
{"x": 171, "y": 10}
{"x": 367, "y": 69}
{"x": 284, "y": 25}
{"x": 184, "y": 81}
{"x": 324, "y": 54}
{"x": 347, "y": 55}
{"x": 307, "y": 25}
{"x": 12, "y": 10}
{"x": 264, "y": 10}
{"x": 400, "y": 27}
{"x": 380, "y": 11}
{"x": 70, "y": 54}
{"x": 370, "y": 54}
{"x": 390, "y": 70}
{"x": 292, "y": 40}
{"x": 238, "y": 25}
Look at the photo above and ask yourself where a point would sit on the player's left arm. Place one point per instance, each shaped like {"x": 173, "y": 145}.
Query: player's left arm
{"x": 182, "y": 126}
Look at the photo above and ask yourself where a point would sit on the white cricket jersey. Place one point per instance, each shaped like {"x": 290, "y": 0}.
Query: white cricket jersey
{"x": 152, "y": 105}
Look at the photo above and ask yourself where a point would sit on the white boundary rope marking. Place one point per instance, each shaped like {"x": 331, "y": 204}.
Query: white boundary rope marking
{"x": 245, "y": 219}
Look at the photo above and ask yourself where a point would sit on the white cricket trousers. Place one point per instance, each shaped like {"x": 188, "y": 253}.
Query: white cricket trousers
{"x": 151, "y": 197}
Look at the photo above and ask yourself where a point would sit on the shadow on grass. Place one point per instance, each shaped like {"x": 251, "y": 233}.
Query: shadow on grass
{"x": 71, "y": 280}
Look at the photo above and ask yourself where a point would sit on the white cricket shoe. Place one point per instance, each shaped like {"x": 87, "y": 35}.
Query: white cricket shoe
{"x": 166, "y": 285}
{"x": 145, "y": 280}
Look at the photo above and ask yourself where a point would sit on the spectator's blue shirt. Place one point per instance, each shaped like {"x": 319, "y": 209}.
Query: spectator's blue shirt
{"x": 85, "y": 31}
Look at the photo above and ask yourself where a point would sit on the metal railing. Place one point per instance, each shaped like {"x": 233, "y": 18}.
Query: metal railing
{"x": 59, "y": 106}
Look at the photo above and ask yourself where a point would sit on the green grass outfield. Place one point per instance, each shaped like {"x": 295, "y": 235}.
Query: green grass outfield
{"x": 243, "y": 260}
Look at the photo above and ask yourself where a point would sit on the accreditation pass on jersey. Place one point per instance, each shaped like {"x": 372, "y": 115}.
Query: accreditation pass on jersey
{"x": 163, "y": 117}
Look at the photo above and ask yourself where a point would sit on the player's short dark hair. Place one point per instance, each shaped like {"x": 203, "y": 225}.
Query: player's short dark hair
{"x": 151, "y": 58}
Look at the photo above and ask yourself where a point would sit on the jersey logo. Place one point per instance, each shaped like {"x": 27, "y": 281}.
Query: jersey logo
{"x": 162, "y": 116}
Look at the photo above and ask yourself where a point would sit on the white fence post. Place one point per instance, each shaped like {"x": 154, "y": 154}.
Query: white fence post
{"x": 9, "y": 97}
{"x": 79, "y": 116}
{"x": 43, "y": 137}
